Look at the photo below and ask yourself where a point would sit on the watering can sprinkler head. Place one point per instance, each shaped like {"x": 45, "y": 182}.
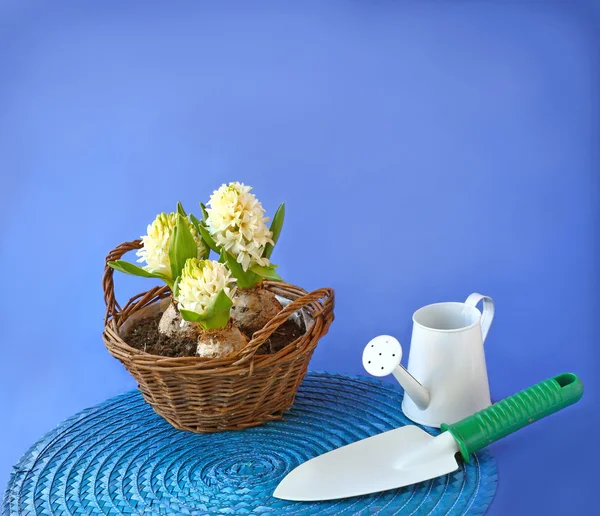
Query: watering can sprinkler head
{"x": 382, "y": 356}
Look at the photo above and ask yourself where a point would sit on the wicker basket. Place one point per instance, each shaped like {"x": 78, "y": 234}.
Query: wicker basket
{"x": 210, "y": 395}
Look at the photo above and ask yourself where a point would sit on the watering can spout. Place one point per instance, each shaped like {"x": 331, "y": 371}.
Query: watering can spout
{"x": 382, "y": 356}
{"x": 412, "y": 388}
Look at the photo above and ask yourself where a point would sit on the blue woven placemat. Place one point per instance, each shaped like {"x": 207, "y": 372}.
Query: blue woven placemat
{"x": 119, "y": 457}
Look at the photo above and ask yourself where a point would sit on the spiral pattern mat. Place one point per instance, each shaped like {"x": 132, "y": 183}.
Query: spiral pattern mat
{"x": 119, "y": 457}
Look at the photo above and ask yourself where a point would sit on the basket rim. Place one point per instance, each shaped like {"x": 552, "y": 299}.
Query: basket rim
{"x": 117, "y": 340}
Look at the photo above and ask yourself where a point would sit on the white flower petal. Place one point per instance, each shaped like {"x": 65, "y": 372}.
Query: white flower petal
{"x": 200, "y": 282}
{"x": 237, "y": 222}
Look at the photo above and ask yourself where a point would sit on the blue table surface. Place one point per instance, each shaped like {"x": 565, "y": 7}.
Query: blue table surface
{"x": 425, "y": 151}
{"x": 120, "y": 457}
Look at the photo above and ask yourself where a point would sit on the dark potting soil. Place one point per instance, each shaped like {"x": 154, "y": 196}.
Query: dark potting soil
{"x": 145, "y": 336}
{"x": 287, "y": 333}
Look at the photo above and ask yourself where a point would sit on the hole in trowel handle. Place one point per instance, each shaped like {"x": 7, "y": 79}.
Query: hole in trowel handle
{"x": 565, "y": 379}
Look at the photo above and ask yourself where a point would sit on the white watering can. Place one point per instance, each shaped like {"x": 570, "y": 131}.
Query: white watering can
{"x": 447, "y": 378}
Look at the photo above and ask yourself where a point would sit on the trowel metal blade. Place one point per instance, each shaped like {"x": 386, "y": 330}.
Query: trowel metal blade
{"x": 393, "y": 459}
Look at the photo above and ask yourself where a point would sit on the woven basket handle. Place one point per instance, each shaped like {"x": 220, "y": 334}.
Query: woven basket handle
{"x": 325, "y": 294}
{"x": 113, "y": 309}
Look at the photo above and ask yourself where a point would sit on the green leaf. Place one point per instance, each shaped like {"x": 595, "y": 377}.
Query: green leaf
{"x": 182, "y": 246}
{"x": 236, "y": 269}
{"x": 207, "y": 237}
{"x": 204, "y": 212}
{"x": 180, "y": 210}
{"x": 277, "y": 223}
{"x": 244, "y": 279}
{"x": 275, "y": 228}
{"x": 266, "y": 272}
{"x": 134, "y": 270}
{"x": 216, "y": 315}
{"x": 188, "y": 315}
{"x": 195, "y": 222}
{"x": 204, "y": 233}
{"x": 220, "y": 308}
{"x": 130, "y": 268}
{"x": 175, "y": 288}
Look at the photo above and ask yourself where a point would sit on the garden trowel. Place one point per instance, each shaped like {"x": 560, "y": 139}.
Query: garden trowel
{"x": 408, "y": 455}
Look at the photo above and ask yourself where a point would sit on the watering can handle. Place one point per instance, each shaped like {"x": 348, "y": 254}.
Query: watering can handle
{"x": 487, "y": 314}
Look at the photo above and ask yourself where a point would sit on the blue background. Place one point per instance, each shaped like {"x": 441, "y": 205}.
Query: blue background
{"x": 424, "y": 151}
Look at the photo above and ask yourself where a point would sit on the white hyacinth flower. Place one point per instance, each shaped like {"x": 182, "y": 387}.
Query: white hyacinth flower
{"x": 155, "y": 250}
{"x": 237, "y": 223}
{"x": 200, "y": 283}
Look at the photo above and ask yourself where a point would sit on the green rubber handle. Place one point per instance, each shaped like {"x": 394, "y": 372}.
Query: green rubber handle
{"x": 515, "y": 412}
